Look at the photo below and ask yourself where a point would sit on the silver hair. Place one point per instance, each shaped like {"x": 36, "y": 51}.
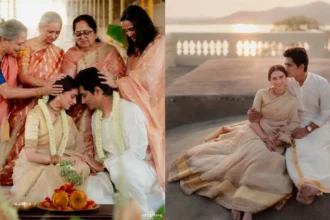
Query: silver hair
{"x": 11, "y": 29}
{"x": 49, "y": 17}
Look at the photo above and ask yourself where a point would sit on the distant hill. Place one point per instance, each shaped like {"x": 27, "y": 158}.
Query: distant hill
{"x": 318, "y": 10}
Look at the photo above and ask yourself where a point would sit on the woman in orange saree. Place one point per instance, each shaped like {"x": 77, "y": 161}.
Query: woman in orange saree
{"x": 144, "y": 82}
{"x": 12, "y": 38}
{"x": 89, "y": 52}
{"x": 38, "y": 65}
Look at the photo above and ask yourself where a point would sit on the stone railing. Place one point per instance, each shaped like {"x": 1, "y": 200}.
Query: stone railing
{"x": 196, "y": 48}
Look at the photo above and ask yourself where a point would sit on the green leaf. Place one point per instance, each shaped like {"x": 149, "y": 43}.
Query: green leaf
{"x": 75, "y": 218}
{"x": 116, "y": 33}
{"x": 160, "y": 214}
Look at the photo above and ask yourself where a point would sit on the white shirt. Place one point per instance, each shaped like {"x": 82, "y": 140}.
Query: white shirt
{"x": 134, "y": 130}
{"x": 313, "y": 99}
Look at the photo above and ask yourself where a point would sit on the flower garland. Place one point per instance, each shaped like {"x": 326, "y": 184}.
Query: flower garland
{"x": 121, "y": 198}
{"x": 117, "y": 125}
{"x": 67, "y": 170}
{"x": 98, "y": 138}
{"x": 52, "y": 143}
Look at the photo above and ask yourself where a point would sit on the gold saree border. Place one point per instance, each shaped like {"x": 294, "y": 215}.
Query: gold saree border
{"x": 225, "y": 193}
{"x": 302, "y": 179}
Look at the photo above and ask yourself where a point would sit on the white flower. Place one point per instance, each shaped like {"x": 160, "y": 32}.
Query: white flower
{"x": 51, "y": 130}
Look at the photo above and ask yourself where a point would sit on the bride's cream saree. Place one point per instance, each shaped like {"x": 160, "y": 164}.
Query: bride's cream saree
{"x": 32, "y": 181}
{"x": 235, "y": 168}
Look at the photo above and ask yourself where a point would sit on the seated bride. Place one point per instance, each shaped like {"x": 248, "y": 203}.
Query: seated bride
{"x": 50, "y": 138}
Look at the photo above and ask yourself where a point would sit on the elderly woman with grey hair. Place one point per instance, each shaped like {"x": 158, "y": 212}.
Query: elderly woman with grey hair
{"x": 12, "y": 41}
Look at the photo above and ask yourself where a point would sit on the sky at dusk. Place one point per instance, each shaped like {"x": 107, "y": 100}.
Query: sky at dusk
{"x": 220, "y": 8}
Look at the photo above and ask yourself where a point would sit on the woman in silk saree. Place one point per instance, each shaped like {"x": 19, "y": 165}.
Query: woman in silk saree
{"x": 242, "y": 166}
{"x": 50, "y": 137}
{"x": 144, "y": 81}
{"x": 39, "y": 64}
{"x": 89, "y": 52}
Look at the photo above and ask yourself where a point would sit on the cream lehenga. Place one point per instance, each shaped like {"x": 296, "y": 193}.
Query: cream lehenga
{"x": 235, "y": 168}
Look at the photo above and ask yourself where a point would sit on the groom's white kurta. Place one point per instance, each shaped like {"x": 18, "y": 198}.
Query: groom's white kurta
{"x": 140, "y": 176}
{"x": 310, "y": 159}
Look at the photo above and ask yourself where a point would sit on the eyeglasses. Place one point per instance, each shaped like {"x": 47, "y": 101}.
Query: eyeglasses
{"x": 84, "y": 33}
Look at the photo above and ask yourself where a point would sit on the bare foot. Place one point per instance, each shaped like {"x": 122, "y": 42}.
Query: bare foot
{"x": 309, "y": 190}
{"x": 305, "y": 201}
{"x": 236, "y": 215}
{"x": 247, "y": 216}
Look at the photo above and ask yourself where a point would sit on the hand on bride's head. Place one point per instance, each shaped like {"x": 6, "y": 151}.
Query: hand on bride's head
{"x": 51, "y": 89}
{"x": 57, "y": 76}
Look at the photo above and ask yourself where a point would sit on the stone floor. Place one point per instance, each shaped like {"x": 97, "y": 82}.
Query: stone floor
{"x": 174, "y": 73}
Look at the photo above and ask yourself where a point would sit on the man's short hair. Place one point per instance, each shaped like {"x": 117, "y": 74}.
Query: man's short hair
{"x": 298, "y": 55}
{"x": 89, "y": 79}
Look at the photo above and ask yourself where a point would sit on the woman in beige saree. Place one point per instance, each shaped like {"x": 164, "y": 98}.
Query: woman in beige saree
{"x": 50, "y": 137}
{"x": 89, "y": 52}
{"x": 241, "y": 166}
{"x": 38, "y": 65}
{"x": 144, "y": 82}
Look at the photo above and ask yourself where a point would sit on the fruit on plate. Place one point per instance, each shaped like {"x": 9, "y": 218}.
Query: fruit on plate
{"x": 78, "y": 199}
{"x": 68, "y": 198}
{"x": 60, "y": 199}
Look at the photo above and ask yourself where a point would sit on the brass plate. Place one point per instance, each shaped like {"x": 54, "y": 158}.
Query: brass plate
{"x": 39, "y": 206}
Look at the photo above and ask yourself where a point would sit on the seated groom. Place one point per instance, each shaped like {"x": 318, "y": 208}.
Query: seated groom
{"x": 118, "y": 127}
{"x": 308, "y": 159}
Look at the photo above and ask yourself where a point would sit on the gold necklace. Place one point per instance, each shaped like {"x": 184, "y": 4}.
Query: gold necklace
{"x": 56, "y": 113}
{"x": 96, "y": 59}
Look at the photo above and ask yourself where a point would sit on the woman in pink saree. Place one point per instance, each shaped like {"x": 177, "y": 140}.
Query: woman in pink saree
{"x": 38, "y": 65}
{"x": 12, "y": 38}
{"x": 144, "y": 82}
{"x": 89, "y": 52}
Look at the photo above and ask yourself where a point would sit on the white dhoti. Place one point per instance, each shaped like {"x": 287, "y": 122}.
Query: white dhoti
{"x": 140, "y": 179}
{"x": 100, "y": 189}
{"x": 309, "y": 160}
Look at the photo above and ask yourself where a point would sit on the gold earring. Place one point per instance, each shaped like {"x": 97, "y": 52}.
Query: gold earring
{"x": 272, "y": 86}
